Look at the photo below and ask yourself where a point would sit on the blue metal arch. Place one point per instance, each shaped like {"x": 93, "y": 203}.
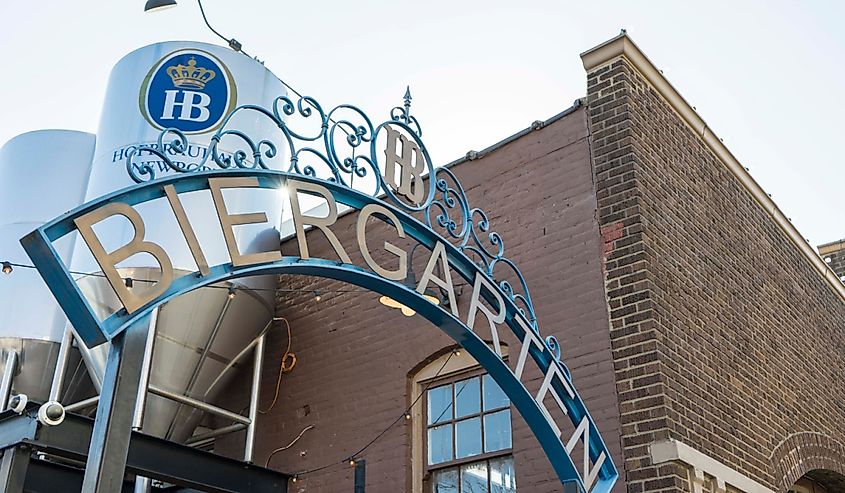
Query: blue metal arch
{"x": 38, "y": 245}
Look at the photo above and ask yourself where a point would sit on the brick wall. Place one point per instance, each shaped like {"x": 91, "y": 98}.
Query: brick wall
{"x": 723, "y": 335}
{"x": 356, "y": 357}
{"x": 834, "y": 256}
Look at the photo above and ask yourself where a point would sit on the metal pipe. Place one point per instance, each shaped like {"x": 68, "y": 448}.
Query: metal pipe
{"x": 202, "y": 406}
{"x": 257, "y": 364}
{"x": 215, "y": 433}
{"x": 78, "y": 406}
{"x": 8, "y": 376}
{"x": 141, "y": 400}
{"x": 202, "y": 443}
{"x": 90, "y": 362}
{"x": 237, "y": 358}
{"x": 203, "y": 356}
{"x": 207, "y": 348}
{"x": 61, "y": 365}
{"x": 142, "y": 484}
{"x": 360, "y": 475}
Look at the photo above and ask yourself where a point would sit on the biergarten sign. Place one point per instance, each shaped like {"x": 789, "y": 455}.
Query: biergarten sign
{"x": 382, "y": 171}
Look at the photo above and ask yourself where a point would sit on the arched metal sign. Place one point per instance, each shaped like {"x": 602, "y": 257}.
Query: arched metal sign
{"x": 398, "y": 193}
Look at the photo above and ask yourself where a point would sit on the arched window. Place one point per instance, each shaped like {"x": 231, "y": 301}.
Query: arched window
{"x": 462, "y": 429}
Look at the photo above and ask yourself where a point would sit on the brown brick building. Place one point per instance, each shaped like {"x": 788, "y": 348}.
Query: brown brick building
{"x": 705, "y": 335}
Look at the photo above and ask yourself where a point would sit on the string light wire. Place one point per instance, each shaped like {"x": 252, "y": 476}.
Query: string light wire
{"x": 351, "y": 458}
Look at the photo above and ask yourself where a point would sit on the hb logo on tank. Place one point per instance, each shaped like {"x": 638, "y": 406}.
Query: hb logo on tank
{"x": 190, "y": 90}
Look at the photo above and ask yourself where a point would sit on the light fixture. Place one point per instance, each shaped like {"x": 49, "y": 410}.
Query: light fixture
{"x": 407, "y": 416}
{"x": 317, "y": 296}
{"x": 158, "y": 5}
{"x": 388, "y": 301}
{"x": 410, "y": 282}
{"x": 231, "y": 292}
{"x": 7, "y": 268}
{"x": 352, "y": 461}
{"x": 129, "y": 282}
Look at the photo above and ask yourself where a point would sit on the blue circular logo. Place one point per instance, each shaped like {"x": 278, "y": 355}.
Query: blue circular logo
{"x": 190, "y": 90}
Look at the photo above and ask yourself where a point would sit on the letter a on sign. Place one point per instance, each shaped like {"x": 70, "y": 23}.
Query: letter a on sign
{"x": 411, "y": 164}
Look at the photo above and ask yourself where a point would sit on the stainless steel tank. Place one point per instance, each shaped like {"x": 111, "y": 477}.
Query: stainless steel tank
{"x": 198, "y": 334}
{"x": 42, "y": 175}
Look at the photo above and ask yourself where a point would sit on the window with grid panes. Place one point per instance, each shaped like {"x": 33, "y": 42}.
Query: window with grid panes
{"x": 468, "y": 437}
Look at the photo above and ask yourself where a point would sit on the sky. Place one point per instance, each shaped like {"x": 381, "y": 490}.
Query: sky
{"x": 767, "y": 76}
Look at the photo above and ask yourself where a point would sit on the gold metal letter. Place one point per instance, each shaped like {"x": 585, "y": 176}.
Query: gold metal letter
{"x": 439, "y": 253}
{"x": 108, "y": 261}
{"x": 321, "y": 223}
{"x": 187, "y": 230}
{"x": 410, "y": 181}
{"x": 476, "y": 305}
{"x": 366, "y": 212}
{"x": 228, "y": 221}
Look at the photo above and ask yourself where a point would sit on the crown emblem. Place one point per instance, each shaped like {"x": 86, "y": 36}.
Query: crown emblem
{"x": 190, "y": 76}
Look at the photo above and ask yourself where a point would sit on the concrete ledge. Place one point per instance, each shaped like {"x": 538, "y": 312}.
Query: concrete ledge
{"x": 623, "y": 46}
{"x": 673, "y": 450}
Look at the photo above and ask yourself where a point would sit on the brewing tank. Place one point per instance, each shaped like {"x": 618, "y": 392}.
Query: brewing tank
{"x": 189, "y": 86}
{"x": 43, "y": 174}
{"x": 192, "y": 87}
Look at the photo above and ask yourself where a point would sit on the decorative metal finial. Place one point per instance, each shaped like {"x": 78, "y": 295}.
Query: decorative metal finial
{"x": 407, "y": 98}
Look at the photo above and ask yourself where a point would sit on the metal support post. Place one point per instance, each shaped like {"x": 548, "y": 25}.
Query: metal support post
{"x": 8, "y": 377}
{"x": 109, "y": 447}
{"x": 142, "y": 484}
{"x": 13, "y": 468}
{"x": 141, "y": 401}
{"x": 61, "y": 365}
{"x": 360, "y": 475}
{"x": 258, "y": 362}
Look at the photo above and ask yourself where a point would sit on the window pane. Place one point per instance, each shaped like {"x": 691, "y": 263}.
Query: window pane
{"x": 502, "y": 476}
{"x": 439, "y": 404}
{"x": 439, "y": 444}
{"x": 474, "y": 478}
{"x": 497, "y": 431}
{"x": 468, "y": 437}
{"x": 467, "y": 397}
{"x": 446, "y": 481}
{"x": 494, "y": 397}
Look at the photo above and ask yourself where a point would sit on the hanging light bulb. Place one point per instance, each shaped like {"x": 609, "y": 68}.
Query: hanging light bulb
{"x": 7, "y": 268}
{"x": 231, "y": 292}
{"x": 317, "y": 296}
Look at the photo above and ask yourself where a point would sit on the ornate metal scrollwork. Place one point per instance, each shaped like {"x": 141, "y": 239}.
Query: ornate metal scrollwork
{"x": 342, "y": 149}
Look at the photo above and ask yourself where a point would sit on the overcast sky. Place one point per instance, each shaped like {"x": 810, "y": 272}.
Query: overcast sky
{"x": 767, "y": 76}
